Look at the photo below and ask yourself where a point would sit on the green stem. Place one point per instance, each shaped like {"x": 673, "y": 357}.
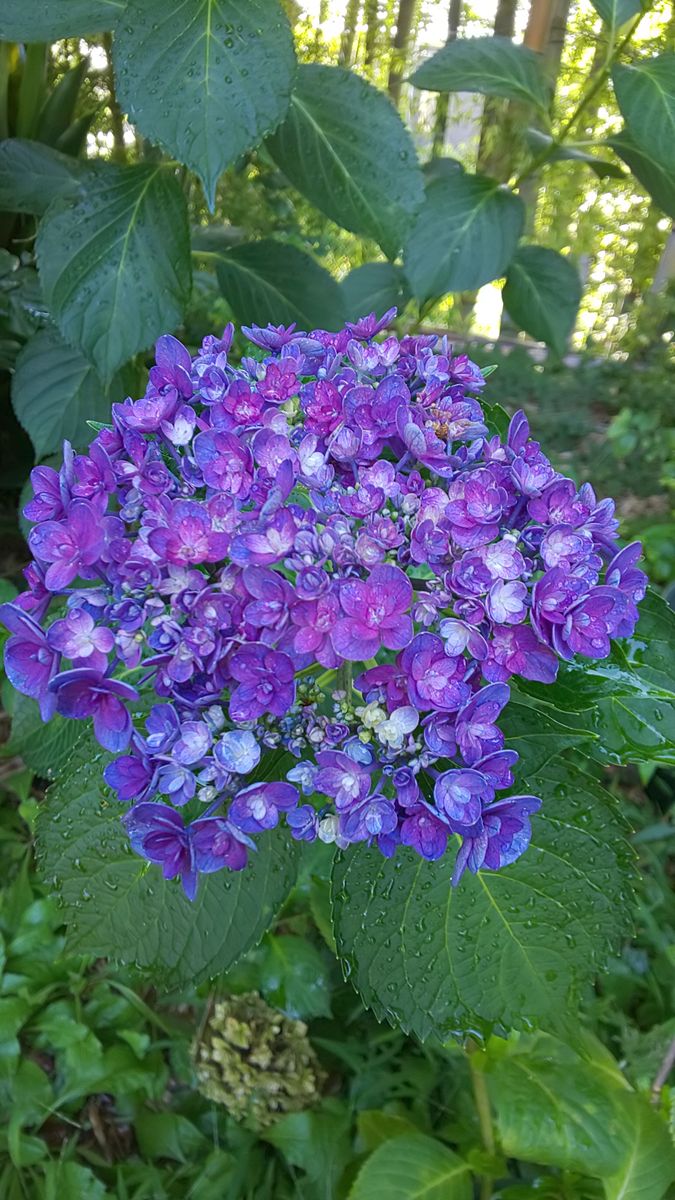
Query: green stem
{"x": 598, "y": 81}
{"x": 482, "y": 1101}
{"x": 344, "y": 678}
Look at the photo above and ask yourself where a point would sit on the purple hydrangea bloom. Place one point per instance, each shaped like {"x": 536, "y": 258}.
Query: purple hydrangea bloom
{"x": 460, "y": 796}
{"x": 250, "y": 528}
{"x": 157, "y": 832}
{"x": 257, "y": 807}
{"x": 265, "y": 682}
{"x": 376, "y": 614}
{"x": 78, "y": 637}
{"x": 30, "y": 661}
{"x": 85, "y": 692}
{"x": 435, "y": 679}
{"x": 504, "y": 836}
{"x": 69, "y": 546}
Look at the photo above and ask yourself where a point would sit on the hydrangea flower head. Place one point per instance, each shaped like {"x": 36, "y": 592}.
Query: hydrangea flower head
{"x": 318, "y": 549}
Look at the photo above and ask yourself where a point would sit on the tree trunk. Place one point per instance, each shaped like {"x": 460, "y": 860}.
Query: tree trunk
{"x": 349, "y": 33}
{"x": 400, "y": 48}
{"x": 441, "y": 114}
{"x": 552, "y": 51}
{"x": 538, "y": 24}
{"x": 556, "y": 38}
{"x": 372, "y": 15}
{"x": 490, "y": 156}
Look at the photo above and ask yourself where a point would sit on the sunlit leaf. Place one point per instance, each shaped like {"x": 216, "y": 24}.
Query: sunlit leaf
{"x": 542, "y": 295}
{"x": 646, "y": 95}
{"x": 492, "y": 66}
{"x": 413, "y": 1167}
{"x": 465, "y": 235}
{"x": 345, "y": 147}
{"x": 208, "y": 79}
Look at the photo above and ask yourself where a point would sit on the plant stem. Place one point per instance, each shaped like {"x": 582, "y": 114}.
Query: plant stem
{"x": 482, "y": 1101}
{"x": 615, "y": 49}
{"x": 344, "y": 678}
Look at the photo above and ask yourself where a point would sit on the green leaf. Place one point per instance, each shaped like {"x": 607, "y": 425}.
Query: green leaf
{"x": 542, "y": 295}
{"x": 71, "y": 1181}
{"x": 55, "y": 391}
{"x": 207, "y": 79}
{"x": 271, "y": 281}
{"x": 168, "y": 1135}
{"x": 616, "y": 12}
{"x": 47, "y": 748}
{"x": 648, "y": 1167}
{"x": 346, "y": 149}
{"x": 538, "y": 141}
{"x": 47, "y": 20}
{"x": 316, "y": 1142}
{"x": 374, "y": 287}
{"x": 492, "y": 66}
{"x": 294, "y": 978}
{"x": 117, "y": 906}
{"x": 465, "y": 235}
{"x": 542, "y": 739}
{"x": 413, "y": 1167}
{"x": 555, "y": 1109}
{"x": 115, "y": 262}
{"x": 657, "y": 179}
{"x": 512, "y": 946}
{"x": 59, "y": 108}
{"x": 31, "y": 175}
{"x": 376, "y": 1126}
{"x": 646, "y": 95}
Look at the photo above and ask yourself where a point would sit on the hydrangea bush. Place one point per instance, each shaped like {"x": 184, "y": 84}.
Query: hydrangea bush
{"x": 293, "y": 587}
{"x": 248, "y": 534}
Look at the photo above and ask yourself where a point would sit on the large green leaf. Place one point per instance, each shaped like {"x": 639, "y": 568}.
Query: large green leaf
{"x": 465, "y": 235}
{"x": 648, "y": 1166}
{"x": 374, "y": 287}
{"x": 658, "y": 180}
{"x": 55, "y": 391}
{"x": 31, "y": 175}
{"x": 568, "y": 1106}
{"x": 117, "y": 905}
{"x": 208, "y": 79}
{"x": 413, "y": 1167}
{"x": 493, "y": 66}
{"x": 271, "y": 281}
{"x": 646, "y": 95}
{"x": 46, "y": 748}
{"x": 553, "y": 1108}
{"x": 345, "y": 147}
{"x": 626, "y": 701}
{"x": 115, "y": 262}
{"x": 49, "y": 20}
{"x": 514, "y": 946}
{"x": 542, "y": 295}
{"x": 616, "y": 12}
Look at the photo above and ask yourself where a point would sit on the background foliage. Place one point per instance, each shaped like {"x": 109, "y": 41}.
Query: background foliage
{"x": 171, "y": 166}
